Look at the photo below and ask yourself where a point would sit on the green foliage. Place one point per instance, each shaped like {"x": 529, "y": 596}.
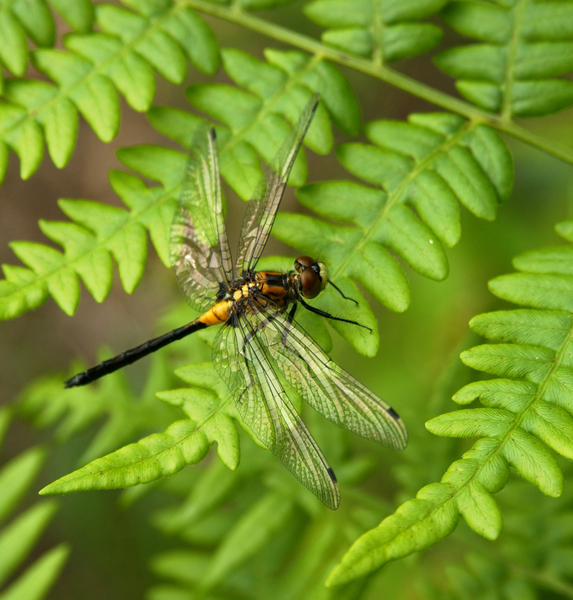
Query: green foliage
{"x": 254, "y": 531}
{"x": 523, "y": 47}
{"x": 123, "y": 55}
{"x": 127, "y": 413}
{"x": 385, "y": 31}
{"x": 526, "y": 410}
{"x": 185, "y": 442}
{"x": 100, "y": 231}
{"x": 254, "y": 116}
{"x": 450, "y": 161}
{"x": 236, "y": 530}
{"x": 421, "y": 170}
{"x": 531, "y": 558}
{"x": 20, "y": 535}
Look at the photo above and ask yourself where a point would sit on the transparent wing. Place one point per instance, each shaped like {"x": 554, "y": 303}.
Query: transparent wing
{"x": 265, "y": 408}
{"x": 329, "y": 389}
{"x": 263, "y": 206}
{"x": 199, "y": 248}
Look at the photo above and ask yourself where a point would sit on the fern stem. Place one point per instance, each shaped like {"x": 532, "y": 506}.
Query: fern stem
{"x": 420, "y": 90}
{"x": 511, "y": 60}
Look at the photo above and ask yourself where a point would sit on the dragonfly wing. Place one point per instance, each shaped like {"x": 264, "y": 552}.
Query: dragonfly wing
{"x": 264, "y": 407}
{"x": 328, "y": 388}
{"x": 199, "y": 248}
{"x": 263, "y": 206}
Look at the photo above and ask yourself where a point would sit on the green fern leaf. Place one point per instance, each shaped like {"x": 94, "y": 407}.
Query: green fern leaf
{"x": 162, "y": 454}
{"x": 526, "y": 411}
{"x": 261, "y": 4}
{"x": 123, "y": 56}
{"x": 213, "y": 486}
{"x": 531, "y": 559}
{"x": 156, "y": 456}
{"x": 268, "y": 100}
{"x": 322, "y": 77}
{"x": 59, "y": 121}
{"x": 16, "y": 478}
{"x": 250, "y": 534}
{"x": 523, "y": 47}
{"x": 242, "y": 533}
{"x": 100, "y": 231}
{"x": 126, "y": 414}
{"x": 422, "y": 169}
{"x": 384, "y": 31}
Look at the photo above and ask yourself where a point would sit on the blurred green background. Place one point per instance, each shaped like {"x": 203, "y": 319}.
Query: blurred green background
{"x": 111, "y": 547}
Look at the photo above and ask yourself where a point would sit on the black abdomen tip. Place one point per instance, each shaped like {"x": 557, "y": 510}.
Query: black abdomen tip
{"x": 75, "y": 381}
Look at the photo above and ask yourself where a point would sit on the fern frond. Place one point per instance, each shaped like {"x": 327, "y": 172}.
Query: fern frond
{"x": 265, "y": 502}
{"x": 162, "y": 454}
{"x": 18, "y": 538}
{"x": 124, "y": 56}
{"x": 525, "y": 411}
{"x": 422, "y": 169}
{"x": 239, "y": 525}
{"x": 532, "y": 556}
{"x": 127, "y": 414}
{"x": 523, "y": 47}
{"x": 384, "y": 31}
{"x": 272, "y": 92}
{"x": 100, "y": 232}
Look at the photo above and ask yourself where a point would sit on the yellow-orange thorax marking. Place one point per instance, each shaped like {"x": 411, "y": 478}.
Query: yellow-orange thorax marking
{"x": 277, "y": 293}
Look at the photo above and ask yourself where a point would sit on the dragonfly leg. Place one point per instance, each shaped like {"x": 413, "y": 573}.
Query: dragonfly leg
{"x": 341, "y": 293}
{"x": 322, "y": 313}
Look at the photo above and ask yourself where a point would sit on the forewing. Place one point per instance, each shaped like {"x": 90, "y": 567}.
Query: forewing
{"x": 328, "y": 388}
{"x": 265, "y": 408}
{"x": 199, "y": 247}
{"x": 263, "y": 206}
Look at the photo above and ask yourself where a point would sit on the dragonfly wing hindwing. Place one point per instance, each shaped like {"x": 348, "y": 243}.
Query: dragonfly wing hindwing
{"x": 265, "y": 408}
{"x": 328, "y": 388}
{"x": 199, "y": 248}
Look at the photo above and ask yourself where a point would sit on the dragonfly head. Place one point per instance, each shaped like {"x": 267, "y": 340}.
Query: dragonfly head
{"x": 313, "y": 275}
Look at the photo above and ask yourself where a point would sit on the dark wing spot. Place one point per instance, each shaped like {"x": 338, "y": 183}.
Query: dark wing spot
{"x": 331, "y": 474}
{"x": 393, "y": 413}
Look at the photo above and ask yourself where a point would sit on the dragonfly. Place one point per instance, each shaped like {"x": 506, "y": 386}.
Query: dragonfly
{"x": 259, "y": 336}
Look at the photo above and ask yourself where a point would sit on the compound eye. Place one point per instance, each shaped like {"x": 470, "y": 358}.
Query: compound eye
{"x": 310, "y": 282}
{"x": 302, "y": 263}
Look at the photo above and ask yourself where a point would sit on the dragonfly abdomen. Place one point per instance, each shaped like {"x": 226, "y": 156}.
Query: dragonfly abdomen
{"x": 130, "y": 356}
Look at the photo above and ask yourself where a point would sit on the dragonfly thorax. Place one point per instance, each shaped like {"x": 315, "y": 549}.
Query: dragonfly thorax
{"x": 312, "y": 275}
